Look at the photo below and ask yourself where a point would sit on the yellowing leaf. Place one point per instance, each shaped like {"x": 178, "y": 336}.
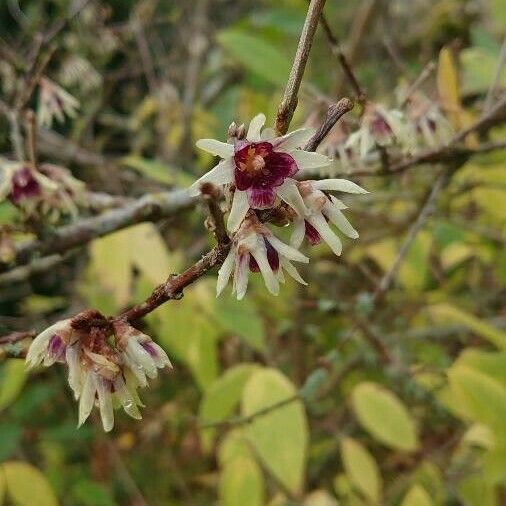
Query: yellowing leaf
{"x": 445, "y": 312}
{"x": 221, "y": 398}
{"x": 12, "y": 379}
{"x": 417, "y": 496}
{"x": 384, "y": 416}
{"x": 361, "y": 469}
{"x": 26, "y": 485}
{"x": 320, "y": 498}
{"x": 479, "y": 435}
{"x": 280, "y": 437}
{"x": 241, "y": 482}
{"x": 482, "y": 398}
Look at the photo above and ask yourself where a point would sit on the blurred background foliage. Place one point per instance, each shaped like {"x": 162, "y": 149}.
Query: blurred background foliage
{"x": 417, "y": 414}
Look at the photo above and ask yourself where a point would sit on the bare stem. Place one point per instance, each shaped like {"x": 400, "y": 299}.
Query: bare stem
{"x": 290, "y": 96}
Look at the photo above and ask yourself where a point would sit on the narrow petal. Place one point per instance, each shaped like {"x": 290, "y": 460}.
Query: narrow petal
{"x": 126, "y": 398}
{"x": 319, "y": 223}
{"x": 240, "y": 207}
{"x": 287, "y": 251}
{"x": 225, "y": 272}
{"x": 105, "y": 404}
{"x": 267, "y": 134}
{"x": 136, "y": 371}
{"x": 216, "y": 148}
{"x": 296, "y": 139}
{"x": 260, "y": 255}
{"x": 339, "y": 220}
{"x": 255, "y": 127}
{"x": 290, "y": 194}
{"x": 299, "y": 230}
{"x": 161, "y": 358}
{"x": 222, "y": 174}
{"x": 241, "y": 276}
{"x": 339, "y": 185}
{"x": 141, "y": 357}
{"x": 309, "y": 160}
{"x": 87, "y": 398}
{"x": 338, "y": 204}
{"x": 366, "y": 142}
{"x": 290, "y": 268}
{"x": 72, "y": 356}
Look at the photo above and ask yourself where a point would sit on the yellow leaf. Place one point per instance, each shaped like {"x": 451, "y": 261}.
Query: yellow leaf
{"x": 384, "y": 416}
{"x": 280, "y": 438}
{"x": 417, "y": 496}
{"x": 361, "y": 469}
{"x": 448, "y": 87}
{"x": 13, "y": 375}
{"x": 27, "y": 486}
{"x": 445, "y": 312}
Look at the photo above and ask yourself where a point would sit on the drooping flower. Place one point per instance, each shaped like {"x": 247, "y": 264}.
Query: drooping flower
{"x": 48, "y": 190}
{"x": 428, "y": 124}
{"x": 379, "y": 127}
{"x": 256, "y": 249}
{"x": 261, "y": 168}
{"x": 99, "y": 373}
{"x": 323, "y": 209}
{"x": 54, "y": 102}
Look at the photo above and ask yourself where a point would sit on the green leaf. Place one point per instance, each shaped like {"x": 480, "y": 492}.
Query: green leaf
{"x": 491, "y": 363}
{"x": 417, "y": 496}
{"x": 256, "y": 54}
{"x": 361, "y": 469}
{"x": 242, "y": 318}
{"x": 482, "y": 398}
{"x": 152, "y": 169}
{"x": 222, "y": 397}
{"x": 241, "y": 482}
{"x": 27, "y": 486}
{"x": 280, "y": 438}
{"x": 446, "y": 312}
{"x": 10, "y": 435}
{"x": 13, "y": 375}
{"x": 384, "y": 416}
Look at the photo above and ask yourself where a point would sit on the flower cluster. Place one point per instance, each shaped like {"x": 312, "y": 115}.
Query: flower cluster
{"x": 99, "y": 373}
{"x": 419, "y": 125}
{"x": 259, "y": 170}
{"x": 54, "y": 103}
{"x": 47, "y": 190}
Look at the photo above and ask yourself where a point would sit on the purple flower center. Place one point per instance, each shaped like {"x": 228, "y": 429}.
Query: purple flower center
{"x": 150, "y": 349}
{"x": 56, "y": 348}
{"x": 272, "y": 258}
{"x": 380, "y": 127}
{"x": 312, "y": 234}
{"x": 259, "y": 169}
{"x": 24, "y": 185}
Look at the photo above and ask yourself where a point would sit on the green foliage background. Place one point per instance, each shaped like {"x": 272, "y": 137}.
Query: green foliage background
{"x": 425, "y": 426}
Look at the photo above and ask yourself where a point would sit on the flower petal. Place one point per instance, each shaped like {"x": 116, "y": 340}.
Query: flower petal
{"x": 240, "y": 207}
{"x": 241, "y": 275}
{"x": 339, "y": 220}
{"x": 268, "y": 134}
{"x": 339, "y": 185}
{"x": 261, "y": 198}
{"x": 271, "y": 282}
{"x": 105, "y": 404}
{"x": 216, "y": 148}
{"x": 290, "y": 194}
{"x": 221, "y": 174}
{"x": 255, "y": 127}
{"x": 296, "y": 139}
{"x": 126, "y": 398}
{"x": 294, "y": 273}
{"x": 287, "y": 251}
{"x": 225, "y": 272}
{"x": 319, "y": 223}
{"x": 72, "y": 356}
{"x": 298, "y": 233}
{"x": 87, "y": 398}
{"x": 309, "y": 160}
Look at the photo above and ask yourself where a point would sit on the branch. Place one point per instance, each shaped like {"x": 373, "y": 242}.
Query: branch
{"x": 334, "y": 113}
{"x": 289, "y": 100}
{"x": 151, "y": 207}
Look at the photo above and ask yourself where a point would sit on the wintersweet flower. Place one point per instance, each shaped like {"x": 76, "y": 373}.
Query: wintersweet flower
{"x": 54, "y": 102}
{"x": 261, "y": 168}
{"x": 323, "y": 209}
{"x": 379, "y": 127}
{"x": 101, "y": 374}
{"x": 256, "y": 249}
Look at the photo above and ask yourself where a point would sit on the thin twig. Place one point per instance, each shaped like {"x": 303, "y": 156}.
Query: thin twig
{"x": 31, "y": 137}
{"x": 496, "y": 80}
{"x": 334, "y": 113}
{"x": 424, "y": 74}
{"x": 290, "y": 96}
